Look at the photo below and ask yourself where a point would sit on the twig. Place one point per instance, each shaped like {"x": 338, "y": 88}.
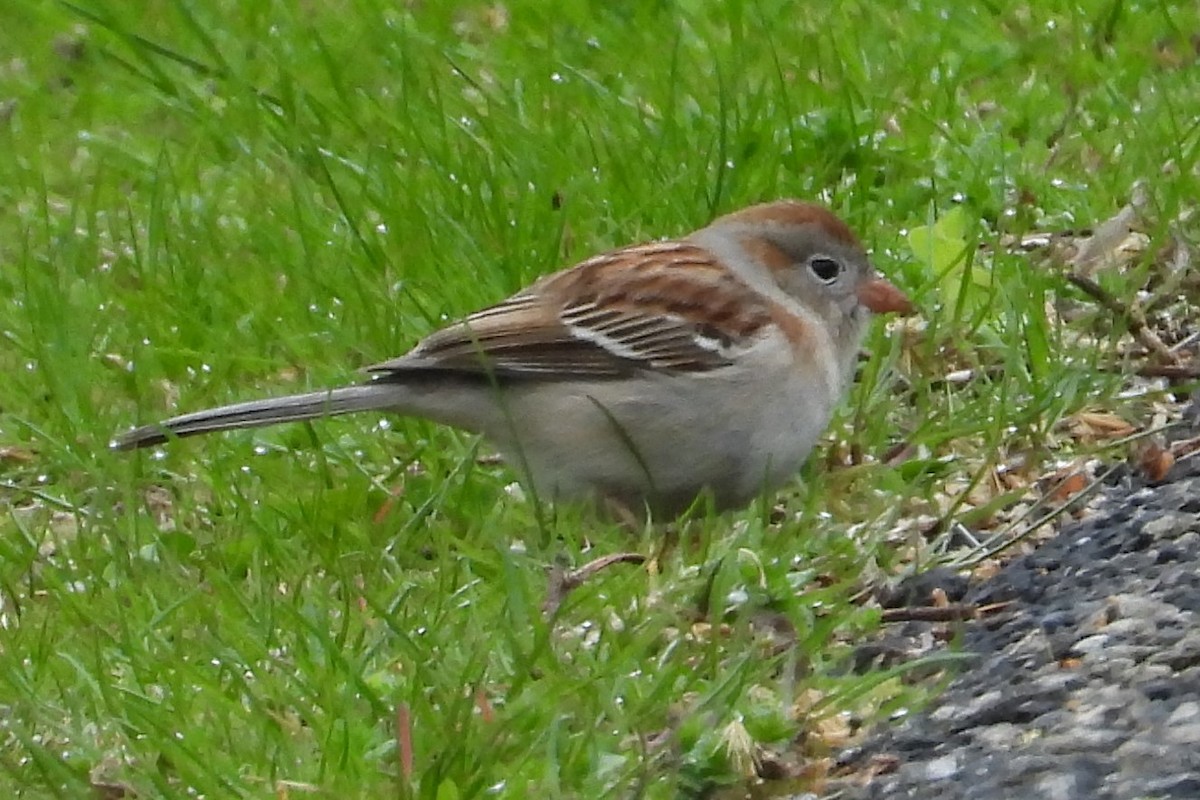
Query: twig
{"x": 46, "y": 498}
{"x": 404, "y": 742}
{"x": 1172, "y": 371}
{"x": 1134, "y": 316}
{"x": 955, "y": 612}
{"x": 563, "y": 581}
{"x": 999, "y": 543}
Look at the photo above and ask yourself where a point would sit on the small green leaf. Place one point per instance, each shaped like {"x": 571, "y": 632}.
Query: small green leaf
{"x": 943, "y": 248}
{"x": 941, "y": 245}
{"x": 766, "y": 723}
{"x": 179, "y": 543}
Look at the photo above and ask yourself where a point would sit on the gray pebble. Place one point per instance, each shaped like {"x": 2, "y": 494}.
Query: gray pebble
{"x": 1119, "y": 594}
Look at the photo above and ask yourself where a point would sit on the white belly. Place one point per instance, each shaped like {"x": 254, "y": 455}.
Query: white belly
{"x": 726, "y": 432}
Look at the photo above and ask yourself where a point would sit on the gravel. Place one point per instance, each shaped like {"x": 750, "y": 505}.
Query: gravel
{"x": 1088, "y": 686}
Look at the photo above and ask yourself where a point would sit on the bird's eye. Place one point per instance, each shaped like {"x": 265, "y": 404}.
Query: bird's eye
{"x": 825, "y": 268}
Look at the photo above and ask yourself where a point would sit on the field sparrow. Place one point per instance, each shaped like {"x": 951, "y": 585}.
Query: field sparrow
{"x": 642, "y": 377}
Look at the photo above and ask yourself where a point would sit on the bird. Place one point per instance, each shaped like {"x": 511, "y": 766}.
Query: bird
{"x": 646, "y": 377}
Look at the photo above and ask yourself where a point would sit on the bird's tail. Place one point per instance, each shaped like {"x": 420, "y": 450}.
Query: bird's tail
{"x": 297, "y": 407}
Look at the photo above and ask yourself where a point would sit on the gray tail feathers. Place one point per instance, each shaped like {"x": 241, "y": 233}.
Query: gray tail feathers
{"x": 368, "y": 397}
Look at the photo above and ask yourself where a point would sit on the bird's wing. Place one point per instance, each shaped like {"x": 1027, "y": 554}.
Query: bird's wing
{"x": 668, "y": 306}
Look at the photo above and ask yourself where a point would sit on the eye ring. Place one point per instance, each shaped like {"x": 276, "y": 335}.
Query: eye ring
{"x": 826, "y": 268}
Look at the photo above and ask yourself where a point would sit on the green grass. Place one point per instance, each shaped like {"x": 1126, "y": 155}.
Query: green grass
{"x": 251, "y": 614}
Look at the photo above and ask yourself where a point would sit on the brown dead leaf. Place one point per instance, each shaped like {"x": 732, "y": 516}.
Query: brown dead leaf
{"x": 116, "y": 361}
{"x": 1177, "y": 52}
{"x": 169, "y": 392}
{"x": 986, "y": 570}
{"x": 832, "y": 732}
{"x": 385, "y": 508}
{"x": 1090, "y": 426}
{"x": 813, "y": 776}
{"x": 17, "y": 454}
{"x": 111, "y": 790}
{"x": 1112, "y": 244}
{"x": 105, "y": 783}
{"x": 881, "y": 764}
{"x": 161, "y": 505}
{"x": 1153, "y": 459}
{"x": 487, "y": 712}
{"x": 284, "y": 788}
{"x": 1067, "y": 482}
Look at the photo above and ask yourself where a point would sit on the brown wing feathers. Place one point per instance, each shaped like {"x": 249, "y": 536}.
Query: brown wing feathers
{"x": 667, "y": 306}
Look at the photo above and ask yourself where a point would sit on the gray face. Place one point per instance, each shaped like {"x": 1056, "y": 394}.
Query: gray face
{"x": 825, "y": 275}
